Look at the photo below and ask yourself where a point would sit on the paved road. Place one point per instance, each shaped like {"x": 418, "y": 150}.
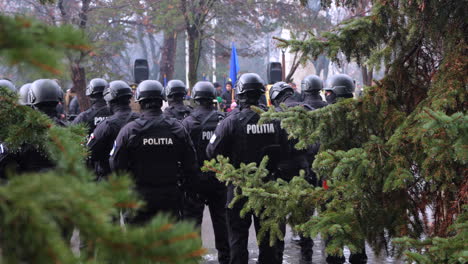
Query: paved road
{"x": 291, "y": 252}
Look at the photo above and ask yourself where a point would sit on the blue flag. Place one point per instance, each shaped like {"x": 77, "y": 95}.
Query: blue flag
{"x": 234, "y": 65}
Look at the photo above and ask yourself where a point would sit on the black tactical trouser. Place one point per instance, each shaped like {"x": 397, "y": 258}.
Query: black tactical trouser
{"x": 239, "y": 236}
{"x": 307, "y": 243}
{"x": 287, "y": 173}
{"x": 159, "y": 200}
{"x": 355, "y": 257}
{"x": 216, "y": 201}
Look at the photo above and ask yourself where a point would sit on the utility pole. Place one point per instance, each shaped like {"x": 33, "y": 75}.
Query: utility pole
{"x": 213, "y": 54}
{"x": 283, "y": 65}
{"x": 187, "y": 61}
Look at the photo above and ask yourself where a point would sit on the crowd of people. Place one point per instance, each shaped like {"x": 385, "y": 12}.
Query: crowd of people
{"x": 163, "y": 150}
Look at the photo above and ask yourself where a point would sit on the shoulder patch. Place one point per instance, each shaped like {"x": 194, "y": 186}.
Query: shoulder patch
{"x": 213, "y": 138}
{"x": 91, "y": 137}
{"x": 113, "y": 149}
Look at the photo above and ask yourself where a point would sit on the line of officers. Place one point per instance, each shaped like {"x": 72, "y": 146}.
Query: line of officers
{"x": 164, "y": 151}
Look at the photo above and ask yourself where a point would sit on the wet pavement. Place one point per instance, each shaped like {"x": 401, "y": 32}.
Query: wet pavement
{"x": 291, "y": 252}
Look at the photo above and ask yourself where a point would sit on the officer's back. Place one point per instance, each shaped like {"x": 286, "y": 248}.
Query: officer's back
{"x": 253, "y": 141}
{"x": 42, "y": 95}
{"x": 311, "y": 87}
{"x": 202, "y": 121}
{"x": 100, "y": 143}
{"x": 157, "y": 151}
{"x": 243, "y": 140}
{"x": 292, "y": 159}
{"x": 155, "y": 143}
{"x": 201, "y": 124}
{"x": 340, "y": 87}
{"x": 98, "y": 111}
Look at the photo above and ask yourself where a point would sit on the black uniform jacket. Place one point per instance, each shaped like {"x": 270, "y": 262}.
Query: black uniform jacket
{"x": 295, "y": 160}
{"x": 28, "y": 158}
{"x": 201, "y": 135}
{"x": 240, "y": 138}
{"x": 314, "y": 100}
{"x": 157, "y": 151}
{"x": 97, "y": 113}
{"x": 178, "y": 110}
{"x": 102, "y": 139}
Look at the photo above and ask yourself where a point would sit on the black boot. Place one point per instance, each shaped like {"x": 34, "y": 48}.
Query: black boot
{"x": 335, "y": 259}
{"x": 358, "y": 258}
{"x": 306, "y": 256}
{"x": 306, "y": 244}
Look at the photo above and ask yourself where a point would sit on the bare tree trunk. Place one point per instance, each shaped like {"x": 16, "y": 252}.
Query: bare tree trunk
{"x": 78, "y": 74}
{"x": 79, "y": 84}
{"x": 295, "y": 64}
{"x": 168, "y": 56}
{"x": 367, "y": 75}
{"x": 141, "y": 39}
{"x": 322, "y": 64}
{"x": 154, "y": 63}
{"x": 194, "y": 38}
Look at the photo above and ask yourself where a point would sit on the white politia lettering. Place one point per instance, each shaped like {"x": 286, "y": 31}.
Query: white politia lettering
{"x": 260, "y": 129}
{"x": 99, "y": 119}
{"x": 206, "y": 135}
{"x": 158, "y": 141}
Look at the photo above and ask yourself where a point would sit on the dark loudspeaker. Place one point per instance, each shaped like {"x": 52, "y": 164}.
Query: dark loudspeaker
{"x": 274, "y": 72}
{"x": 140, "y": 70}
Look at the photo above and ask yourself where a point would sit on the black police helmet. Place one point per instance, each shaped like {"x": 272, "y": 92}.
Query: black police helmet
{"x": 24, "y": 94}
{"x": 117, "y": 89}
{"x": 279, "y": 88}
{"x": 8, "y": 84}
{"x": 45, "y": 91}
{"x": 176, "y": 87}
{"x": 96, "y": 86}
{"x": 250, "y": 82}
{"x": 204, "y": 90}
{"x": 311, "y": 83}
{"x": 341, "y": 84}
{"x": 149, "y": 89}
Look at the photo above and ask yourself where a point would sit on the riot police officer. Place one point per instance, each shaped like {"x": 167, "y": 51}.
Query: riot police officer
{"x": 8, "y": 84}
{"x": 294, "y": 160}
{"x": 5, "y": 156}
{"x": 99, "y": 110}
{"x": 342, "y": 86}
{"x": 282, "y": 92}
{"x": 74, "y": 108}
{"x": 117, "y": 96}
{"x": 176, "y": 92}
{"x": 311, "y": 87}
{"x": 43, "y": 96}
{"x": 24, "y": 94}
{"x": 201, "y": 124}
{"x": 240, "y": 138}
{"x": 158, "y": 152}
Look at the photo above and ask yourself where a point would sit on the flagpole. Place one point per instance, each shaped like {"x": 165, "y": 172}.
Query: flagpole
{"x": 233, "y": 69}
{"x": 224, "y": 84}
